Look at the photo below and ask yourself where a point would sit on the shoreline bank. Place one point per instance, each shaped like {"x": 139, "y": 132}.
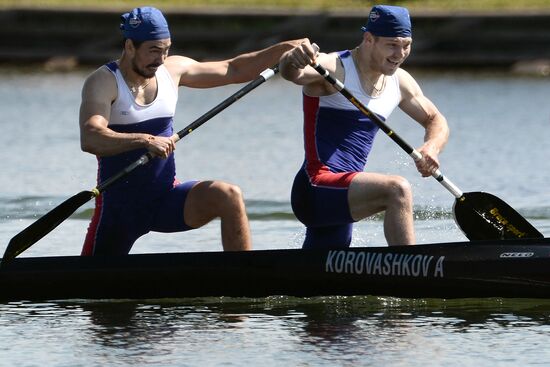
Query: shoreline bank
{"x": 71, "y": 37}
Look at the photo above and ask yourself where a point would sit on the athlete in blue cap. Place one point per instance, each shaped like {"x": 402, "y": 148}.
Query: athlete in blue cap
{"x": 331, "y": 190}
{"x": 127, "y": 109}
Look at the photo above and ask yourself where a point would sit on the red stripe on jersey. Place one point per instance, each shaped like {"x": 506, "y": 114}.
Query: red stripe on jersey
{"x": 319, "y": 174}
{"x": 89, "y": 241}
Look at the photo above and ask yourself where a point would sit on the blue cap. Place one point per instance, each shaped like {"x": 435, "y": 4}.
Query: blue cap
{"x": 389, "y": 21}
{"x": 144, "y": 24}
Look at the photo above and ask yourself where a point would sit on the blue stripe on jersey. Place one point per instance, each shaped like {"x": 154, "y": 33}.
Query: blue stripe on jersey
{"x": 344, "y": 139}
{"x": 160, "y": 173}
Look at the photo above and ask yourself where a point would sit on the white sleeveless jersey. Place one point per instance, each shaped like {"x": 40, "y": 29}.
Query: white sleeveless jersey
{"x": 126, "y": 111}
{"x": 155, "y": 118}
{"x": 382, "y": 105}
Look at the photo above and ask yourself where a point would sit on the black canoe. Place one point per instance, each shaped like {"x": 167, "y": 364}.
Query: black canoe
{"x": 505, "y": 268}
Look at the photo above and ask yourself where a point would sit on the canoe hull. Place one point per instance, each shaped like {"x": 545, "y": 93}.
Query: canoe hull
{"x": 510, "y": 268}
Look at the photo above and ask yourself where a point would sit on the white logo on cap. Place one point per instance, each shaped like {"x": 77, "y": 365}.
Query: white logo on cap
{"x": 134, "y": 22}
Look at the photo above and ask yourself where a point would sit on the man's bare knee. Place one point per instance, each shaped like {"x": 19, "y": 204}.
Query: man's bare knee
{"x": 401, "y": 189}
{"x": 228, "y": 196}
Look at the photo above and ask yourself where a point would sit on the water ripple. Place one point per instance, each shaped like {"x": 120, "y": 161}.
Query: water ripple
{"x": 33, "y": 207}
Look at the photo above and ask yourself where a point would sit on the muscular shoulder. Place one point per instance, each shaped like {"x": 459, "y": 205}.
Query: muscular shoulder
{"x": 194, "y": 74}
{"x": 317, "y": 86}
{"x": 178, "y": 64}
{"x": 101, "y": 75}
{"x": 100, "y": 84}
{"x": 180, "y": 67}
{"x": 407, "y": 84}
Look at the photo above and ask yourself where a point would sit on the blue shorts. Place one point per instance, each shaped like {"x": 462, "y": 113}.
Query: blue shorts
{"x": 324, "y": 210}
{"x": 118, "y": 222}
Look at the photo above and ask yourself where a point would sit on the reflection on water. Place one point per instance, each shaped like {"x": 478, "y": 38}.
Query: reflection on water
{"x": 354, "y": 330}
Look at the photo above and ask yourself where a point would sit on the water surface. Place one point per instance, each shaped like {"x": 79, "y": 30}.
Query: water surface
{"x": 499, "y": 127}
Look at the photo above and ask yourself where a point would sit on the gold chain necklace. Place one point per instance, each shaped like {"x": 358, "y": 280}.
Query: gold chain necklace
{"x": 375, "y": 91}
{"x": 135, "y": 89}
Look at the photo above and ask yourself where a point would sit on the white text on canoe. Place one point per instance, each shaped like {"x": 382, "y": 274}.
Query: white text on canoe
{"x": 372, "y": 263}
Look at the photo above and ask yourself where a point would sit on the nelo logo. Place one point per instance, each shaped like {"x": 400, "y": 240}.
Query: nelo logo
{"x": 516, "y": 254}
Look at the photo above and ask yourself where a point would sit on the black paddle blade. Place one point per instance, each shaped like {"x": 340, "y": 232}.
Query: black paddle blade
{"x": 44, "y": 225}
{"x": 483, "y": 216}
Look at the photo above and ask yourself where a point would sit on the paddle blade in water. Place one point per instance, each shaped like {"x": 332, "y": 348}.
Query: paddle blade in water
{"x": 44, "y": 225}
{"x": 483, "y": 216}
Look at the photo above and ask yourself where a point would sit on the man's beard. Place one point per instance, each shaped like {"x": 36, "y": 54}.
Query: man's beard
{"x": 143, "y": 72}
